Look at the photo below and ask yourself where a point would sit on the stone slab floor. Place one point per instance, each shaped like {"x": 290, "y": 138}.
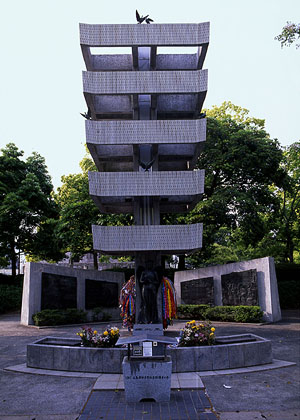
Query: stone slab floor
{"x": 183, "y": 405}
{"x": 271, "y": 395}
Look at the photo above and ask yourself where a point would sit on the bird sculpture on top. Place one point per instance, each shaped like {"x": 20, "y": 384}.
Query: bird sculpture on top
{"x": 141, "y": 19}
{"x": 87, "y": 114}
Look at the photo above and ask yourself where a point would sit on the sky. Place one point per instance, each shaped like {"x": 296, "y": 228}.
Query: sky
{"x": 41, "y": 64}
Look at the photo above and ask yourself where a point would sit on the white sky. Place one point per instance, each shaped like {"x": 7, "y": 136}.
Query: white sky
{"x": 41, "y": 63}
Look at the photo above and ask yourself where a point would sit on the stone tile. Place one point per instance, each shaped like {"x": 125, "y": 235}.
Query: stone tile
{"x": 191, "y": 384}
{"x": 206, "y": 373}
{"x": 220, "y": 358}
{"x": 112, "y": 360}
{"x": 111, "y": 377}
{"x": 236, "y": 355}
{"x": 94, "y": 360}
{"x": 18, "y": 368}
{"x": 61, "y": 358}
{"x": 175, "y": 384}
{"x": 258, "y": 353}
{"x": 105, "y": 386}
{"x": 172, "y": 352}
{"x": 185, "y": 359}
{"x": 121, "y": 385}
{"x": 187, "y": 375}
{"x": 203, "y": 358}
{"x": 33, "y": 355}
{"x": 77, "y": 359}
{"x": 46, "y": 357}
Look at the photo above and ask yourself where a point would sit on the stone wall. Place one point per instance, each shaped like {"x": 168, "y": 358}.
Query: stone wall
{"x": 268, "y": 298}
{"x": 50, "y": 286}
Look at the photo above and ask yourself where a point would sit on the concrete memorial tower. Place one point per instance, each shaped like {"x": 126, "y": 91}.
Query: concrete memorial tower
{"x": 144, "y": 130}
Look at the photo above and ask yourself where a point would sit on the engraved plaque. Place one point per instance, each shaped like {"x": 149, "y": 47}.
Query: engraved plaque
{"x": 101, "y": 294}
{"x": 58, "y": 292}
{"x": 198, "y": 291}
{"x": 240, "y": 288}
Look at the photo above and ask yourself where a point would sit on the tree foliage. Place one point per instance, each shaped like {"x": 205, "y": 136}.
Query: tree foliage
{"x": 26, "y": 202}
{"x": 241, "y": 163}
{"x": 289, "y": 34}
{"x": 78, "y": 213}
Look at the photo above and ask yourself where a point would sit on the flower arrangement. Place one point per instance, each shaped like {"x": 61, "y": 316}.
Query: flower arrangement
{"x": 91, "y": 338}
{"x": 201, "y": 334}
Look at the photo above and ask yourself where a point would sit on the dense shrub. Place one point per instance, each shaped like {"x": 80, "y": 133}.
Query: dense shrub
{"x": 10, "y": 298}
{"x": 59, "y": 317}
{"x": 287, "y": 272}
{"x": 221, "y": 313}
{"x": 288, "y": 279}
{"x": 11, "y": 280}
{"x": 289, "y": 294}
{"x": 192, "y": 311}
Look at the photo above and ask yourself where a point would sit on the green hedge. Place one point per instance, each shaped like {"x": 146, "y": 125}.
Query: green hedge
{"x": 10, "y": 298}
{"x": 59, "y": 317}
{"x": 289, "y": 294}
{"x": 221, "y": 313}
{"x": 288, "y": 279}
{"x": 287, "y": 272}
{"x": 11, "y": 280}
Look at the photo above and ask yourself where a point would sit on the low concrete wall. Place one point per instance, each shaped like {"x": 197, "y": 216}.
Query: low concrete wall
{"x": 32, "y": 287}
{"x": 184, "y": 359}
{"x": 266, "y": 282}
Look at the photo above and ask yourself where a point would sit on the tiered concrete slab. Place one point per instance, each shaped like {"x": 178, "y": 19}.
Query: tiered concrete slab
{"x": 145, "y": 98}
{"x": 126, "y": 240}
{"x": 114, "y": 192}
{"x": 174, "y": 34}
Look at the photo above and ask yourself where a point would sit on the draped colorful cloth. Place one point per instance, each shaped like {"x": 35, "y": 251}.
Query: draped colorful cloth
{"x": 168, "y": 301}
{"x": 127, "y": 304}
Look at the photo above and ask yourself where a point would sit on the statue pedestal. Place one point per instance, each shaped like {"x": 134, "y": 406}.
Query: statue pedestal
{"x": 139, "y": 329}
{"x": 147, "y": 378}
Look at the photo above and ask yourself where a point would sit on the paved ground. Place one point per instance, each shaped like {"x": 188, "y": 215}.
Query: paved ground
{"x": 192, "y": 405}
{"x": 270, "y": 394}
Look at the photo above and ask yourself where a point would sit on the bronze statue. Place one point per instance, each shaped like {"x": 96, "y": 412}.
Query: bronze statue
{"x": 149, "y": 279}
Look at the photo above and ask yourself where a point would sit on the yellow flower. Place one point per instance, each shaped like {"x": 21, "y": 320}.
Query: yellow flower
{"x": 212, "y": 329}
{"x": 105, "y": 333}
{"x": 81, "y": 334}
{"x": 201, "y": 325}
{"x": 95, "y": 332}
{"x": 193, "y": 322}
{"x": 211, "y": 334}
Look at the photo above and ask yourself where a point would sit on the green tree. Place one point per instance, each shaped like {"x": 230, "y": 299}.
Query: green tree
{"x": 78, "y": 213}
{"x": 241, "y": 164}
{"x": 289, "y": 34}
{"x": 288, "y": 222}
{"x": 26, "y": 202}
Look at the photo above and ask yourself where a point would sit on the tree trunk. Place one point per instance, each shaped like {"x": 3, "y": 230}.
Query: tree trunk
{"x": 95, "y": 255}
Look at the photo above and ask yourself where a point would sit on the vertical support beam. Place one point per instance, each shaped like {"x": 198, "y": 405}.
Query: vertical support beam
{"x": 153, "y": 58}
{"x": 87, "y": 56}
{"x": 202, "y": 50}
{"x": 135, "y": 58}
